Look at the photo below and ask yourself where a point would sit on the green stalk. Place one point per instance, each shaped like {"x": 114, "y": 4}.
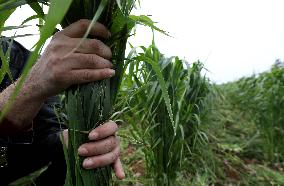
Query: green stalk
{"x": 91, "y": 104}
{"x": 165, "y": 111}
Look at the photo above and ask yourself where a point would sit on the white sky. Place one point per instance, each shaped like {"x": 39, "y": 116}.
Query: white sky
{"x": 233, "y": 38}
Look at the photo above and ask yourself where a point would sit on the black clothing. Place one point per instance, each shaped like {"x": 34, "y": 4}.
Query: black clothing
{"x": 35, "y": 149}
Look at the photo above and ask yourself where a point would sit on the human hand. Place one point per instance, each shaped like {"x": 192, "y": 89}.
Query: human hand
{"x": 103, "y": 149}
{"x": 57, "y": 69}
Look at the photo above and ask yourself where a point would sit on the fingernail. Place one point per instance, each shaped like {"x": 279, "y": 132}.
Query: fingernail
{"x": 87, "y": 163}
{"x": 111, "y": 72}
{"x": 93, "y": 135}
{"x": 82, "y": 151}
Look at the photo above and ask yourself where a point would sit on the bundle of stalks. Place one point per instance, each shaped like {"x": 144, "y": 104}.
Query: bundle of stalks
{"x": 90, "y": 105}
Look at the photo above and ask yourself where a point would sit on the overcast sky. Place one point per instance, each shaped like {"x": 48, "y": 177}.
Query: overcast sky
{"x": 234, "y": 38}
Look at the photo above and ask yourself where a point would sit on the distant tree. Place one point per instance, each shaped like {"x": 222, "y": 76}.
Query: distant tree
{"x": 278, "y": 63}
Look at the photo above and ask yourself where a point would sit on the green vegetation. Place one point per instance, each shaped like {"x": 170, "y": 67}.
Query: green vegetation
{"x": 164, "y": 144}
{"x": 233, "y": 146}
{"x": 177, "y": 127}
{"x": 261, "y": 97}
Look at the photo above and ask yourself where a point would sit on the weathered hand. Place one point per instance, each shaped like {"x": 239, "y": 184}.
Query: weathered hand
{"x": 103, "y": 149}
{"x": 57, "y": 69}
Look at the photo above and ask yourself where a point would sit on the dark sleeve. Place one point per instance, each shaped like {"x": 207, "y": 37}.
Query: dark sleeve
{"x": 18, "y": 57}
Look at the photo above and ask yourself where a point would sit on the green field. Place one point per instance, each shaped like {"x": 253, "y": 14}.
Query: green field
{"x": 176, "y": 126}
{"x": 243, "y": 125}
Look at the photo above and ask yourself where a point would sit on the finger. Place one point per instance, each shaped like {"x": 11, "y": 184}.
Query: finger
{"x": 78, "y": 61}
{"x": 79, "y": 28}
{"x": 89, "y": 75}
{"x": 118, "y": 169}
{"x": 65, "y": 137}
{"x": 101, "y": 160}
{"x": 103, "y": 131}
{"x": 99, "y": 147}
{"x": 93, "y": 46}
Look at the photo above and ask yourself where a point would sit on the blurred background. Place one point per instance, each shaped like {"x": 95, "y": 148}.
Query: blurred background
{"x": 232, "y": 38}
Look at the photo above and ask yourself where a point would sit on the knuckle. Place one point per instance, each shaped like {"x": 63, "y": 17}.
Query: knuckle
{"x": 56, "y": 73}
{"x": 83, "y": 23}
{"x": 112, "y": 142}
{"x": 91, "y": 59}
{"x": 108, "y": 146}
{"x": 53, "y": 62}
{"x": 57, "y": 45}
{"x": 87, "y": 75}
{"x": 115, "y": 156}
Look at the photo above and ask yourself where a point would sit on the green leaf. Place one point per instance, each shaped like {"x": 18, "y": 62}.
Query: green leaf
{"x": 19, "y": 36}
{"x": 119, "y": 5}
{"x": 13, "y": 4}
{"x": 37, "y": 8}
{"x": 147, "y": 21}
{"x": 30, "y": 18}
{"x": 4, "y": 16}
{"x": 29, "y": 180}
{"x": 6, "y": 28}
{"x": 157, "y": 70}
{"x": 5, "y": 58}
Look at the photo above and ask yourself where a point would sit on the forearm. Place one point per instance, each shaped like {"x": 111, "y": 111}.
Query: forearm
{"x": 24, "y": 108}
